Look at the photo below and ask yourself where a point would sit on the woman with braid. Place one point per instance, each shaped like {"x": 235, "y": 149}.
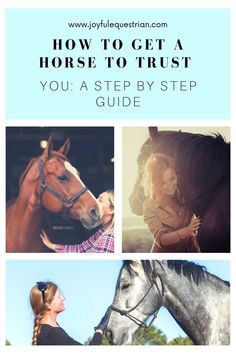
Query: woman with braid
{"x": 47, "y": 302}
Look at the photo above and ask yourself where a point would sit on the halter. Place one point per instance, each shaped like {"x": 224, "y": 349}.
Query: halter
{"x": 67, "y": 201}
{"x": 127, "y": 314}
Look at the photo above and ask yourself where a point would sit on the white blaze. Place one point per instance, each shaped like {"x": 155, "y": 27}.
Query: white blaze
{"x": 72, "y": 170}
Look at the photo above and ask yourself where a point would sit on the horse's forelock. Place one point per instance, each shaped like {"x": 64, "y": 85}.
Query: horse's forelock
{"x": 58, "y": 154}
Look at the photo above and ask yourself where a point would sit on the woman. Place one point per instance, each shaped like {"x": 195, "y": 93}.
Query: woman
{"x": 172, "y": 223}
{"x": 102, "y": 241}
{"x": 47, "y": 302}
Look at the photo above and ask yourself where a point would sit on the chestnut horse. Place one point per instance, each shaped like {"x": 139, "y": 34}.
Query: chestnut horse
{"x": 49, "y": 183}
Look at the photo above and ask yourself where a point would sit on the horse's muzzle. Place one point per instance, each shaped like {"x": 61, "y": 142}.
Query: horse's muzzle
{"x": 92, "y": 220}
{"x": 94, "y": 214}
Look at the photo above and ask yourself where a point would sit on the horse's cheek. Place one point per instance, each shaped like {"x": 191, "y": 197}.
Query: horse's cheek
{"x": 34, "y": 202}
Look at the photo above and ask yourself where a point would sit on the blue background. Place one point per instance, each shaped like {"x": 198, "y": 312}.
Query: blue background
{"x": 88, "y": 287}
{"x": 204, "y": 35}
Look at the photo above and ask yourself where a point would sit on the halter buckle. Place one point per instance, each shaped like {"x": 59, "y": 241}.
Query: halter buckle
{"x": 43, "y": 187}
{"x": 44, "y": 184}
{"x": 68, "y": 202}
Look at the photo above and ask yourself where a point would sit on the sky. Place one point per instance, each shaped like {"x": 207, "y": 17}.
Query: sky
{"x": 138, "y": 135}
{"x": 88, "y": 287}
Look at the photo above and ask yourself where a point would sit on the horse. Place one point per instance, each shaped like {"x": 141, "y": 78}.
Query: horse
{"x": 203, "y": 172}
{"x": 197, "y": 300}
{"x": 48, "y": 184}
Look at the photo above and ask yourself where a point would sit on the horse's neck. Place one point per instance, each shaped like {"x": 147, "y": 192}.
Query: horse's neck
{"x": 24, "y": 224}
{"x": 191, "y": 306}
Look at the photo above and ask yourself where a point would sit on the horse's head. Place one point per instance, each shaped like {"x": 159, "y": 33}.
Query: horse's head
{"x": 135, "y": 300}
{"x": 59, "y": 186}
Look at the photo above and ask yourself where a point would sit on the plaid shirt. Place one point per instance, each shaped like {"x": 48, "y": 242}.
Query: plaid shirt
{"x": 101, "y": 242}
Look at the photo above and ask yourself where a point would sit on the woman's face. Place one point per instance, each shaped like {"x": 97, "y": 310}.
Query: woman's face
{"x": 105, "y": 203}
{"x": 169, "y": 182}
{"x": 57, "y": 304}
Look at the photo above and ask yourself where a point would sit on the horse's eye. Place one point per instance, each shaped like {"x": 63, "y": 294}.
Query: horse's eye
{"x": 125, "y": 286}
{"x": 62, "y": 178}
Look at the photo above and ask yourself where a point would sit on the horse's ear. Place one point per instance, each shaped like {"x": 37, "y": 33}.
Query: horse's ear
{"x": 47, "y": 151}
{"x": 153, "y": 131}
{"x": 65, "y": 148}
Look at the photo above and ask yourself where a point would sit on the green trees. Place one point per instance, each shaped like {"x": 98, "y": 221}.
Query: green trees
{"x": 152, "y": 336}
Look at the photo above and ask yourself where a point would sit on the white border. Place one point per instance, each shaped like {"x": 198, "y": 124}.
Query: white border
{"x": 168, "y": 4}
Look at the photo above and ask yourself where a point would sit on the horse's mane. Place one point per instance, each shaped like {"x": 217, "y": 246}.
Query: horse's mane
{"x": 184, "y": 145}
{"x": 32, "y": 162}
{"x": 188, "y": 269}
{"x": 192, "y": 271}
{"x": 203, "y": 160}
{"x": 24, "y": 174}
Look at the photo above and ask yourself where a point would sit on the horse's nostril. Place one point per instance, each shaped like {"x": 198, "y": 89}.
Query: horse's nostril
{"x": 94, "y": 214}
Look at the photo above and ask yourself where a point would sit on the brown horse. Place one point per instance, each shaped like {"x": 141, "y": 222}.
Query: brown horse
{"x": 203, "y": 171}
{"x": 49, "y": 183}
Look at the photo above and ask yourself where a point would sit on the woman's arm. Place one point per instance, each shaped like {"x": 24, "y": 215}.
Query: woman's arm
{"x": 46, "y": 241}
{"x": 59, "y": 248}
{"x": 170, "y": 238}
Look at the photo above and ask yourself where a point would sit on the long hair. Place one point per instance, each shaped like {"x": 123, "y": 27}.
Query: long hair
{"x": 39, "y": 305}
{"x": 152, "y": 180}
{"x": 111, "y": 195}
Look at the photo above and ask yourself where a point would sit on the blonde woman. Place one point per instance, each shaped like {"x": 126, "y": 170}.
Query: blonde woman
{"x": 47, "y": 303}
{"x": 171, "y": 222}
{"x": 102, "y": 241}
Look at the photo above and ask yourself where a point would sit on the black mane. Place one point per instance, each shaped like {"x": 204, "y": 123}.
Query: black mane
{"x": 194, "y": 272}
{"x": 189, "y": 269}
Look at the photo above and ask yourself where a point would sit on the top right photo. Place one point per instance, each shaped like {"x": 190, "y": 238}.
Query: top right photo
{"x": 176, "y": 190}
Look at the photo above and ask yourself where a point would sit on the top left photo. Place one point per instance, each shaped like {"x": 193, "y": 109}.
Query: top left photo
{"x": 60, "y": 189}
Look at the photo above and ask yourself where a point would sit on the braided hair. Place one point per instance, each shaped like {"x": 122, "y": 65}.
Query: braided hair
{"x": 39, "y": 306}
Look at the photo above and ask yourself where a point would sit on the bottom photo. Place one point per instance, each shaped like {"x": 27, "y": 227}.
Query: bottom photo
{"x": 117, "y": 302}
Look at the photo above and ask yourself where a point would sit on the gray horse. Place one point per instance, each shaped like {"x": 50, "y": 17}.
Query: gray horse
{"x": 198, "y": 300}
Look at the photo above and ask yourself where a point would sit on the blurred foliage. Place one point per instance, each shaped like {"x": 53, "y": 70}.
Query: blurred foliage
{"x": 181, "y": 341}
{"x": 151, "y": 336}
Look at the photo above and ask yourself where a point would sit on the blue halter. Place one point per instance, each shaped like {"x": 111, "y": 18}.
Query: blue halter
{"x": 67, "y": 201}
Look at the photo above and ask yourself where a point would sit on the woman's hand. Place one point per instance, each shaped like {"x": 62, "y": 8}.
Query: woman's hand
{"x": 194, "y": 226}
{"x": 101, "y": 327}
{"x": 46, "y": 241}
